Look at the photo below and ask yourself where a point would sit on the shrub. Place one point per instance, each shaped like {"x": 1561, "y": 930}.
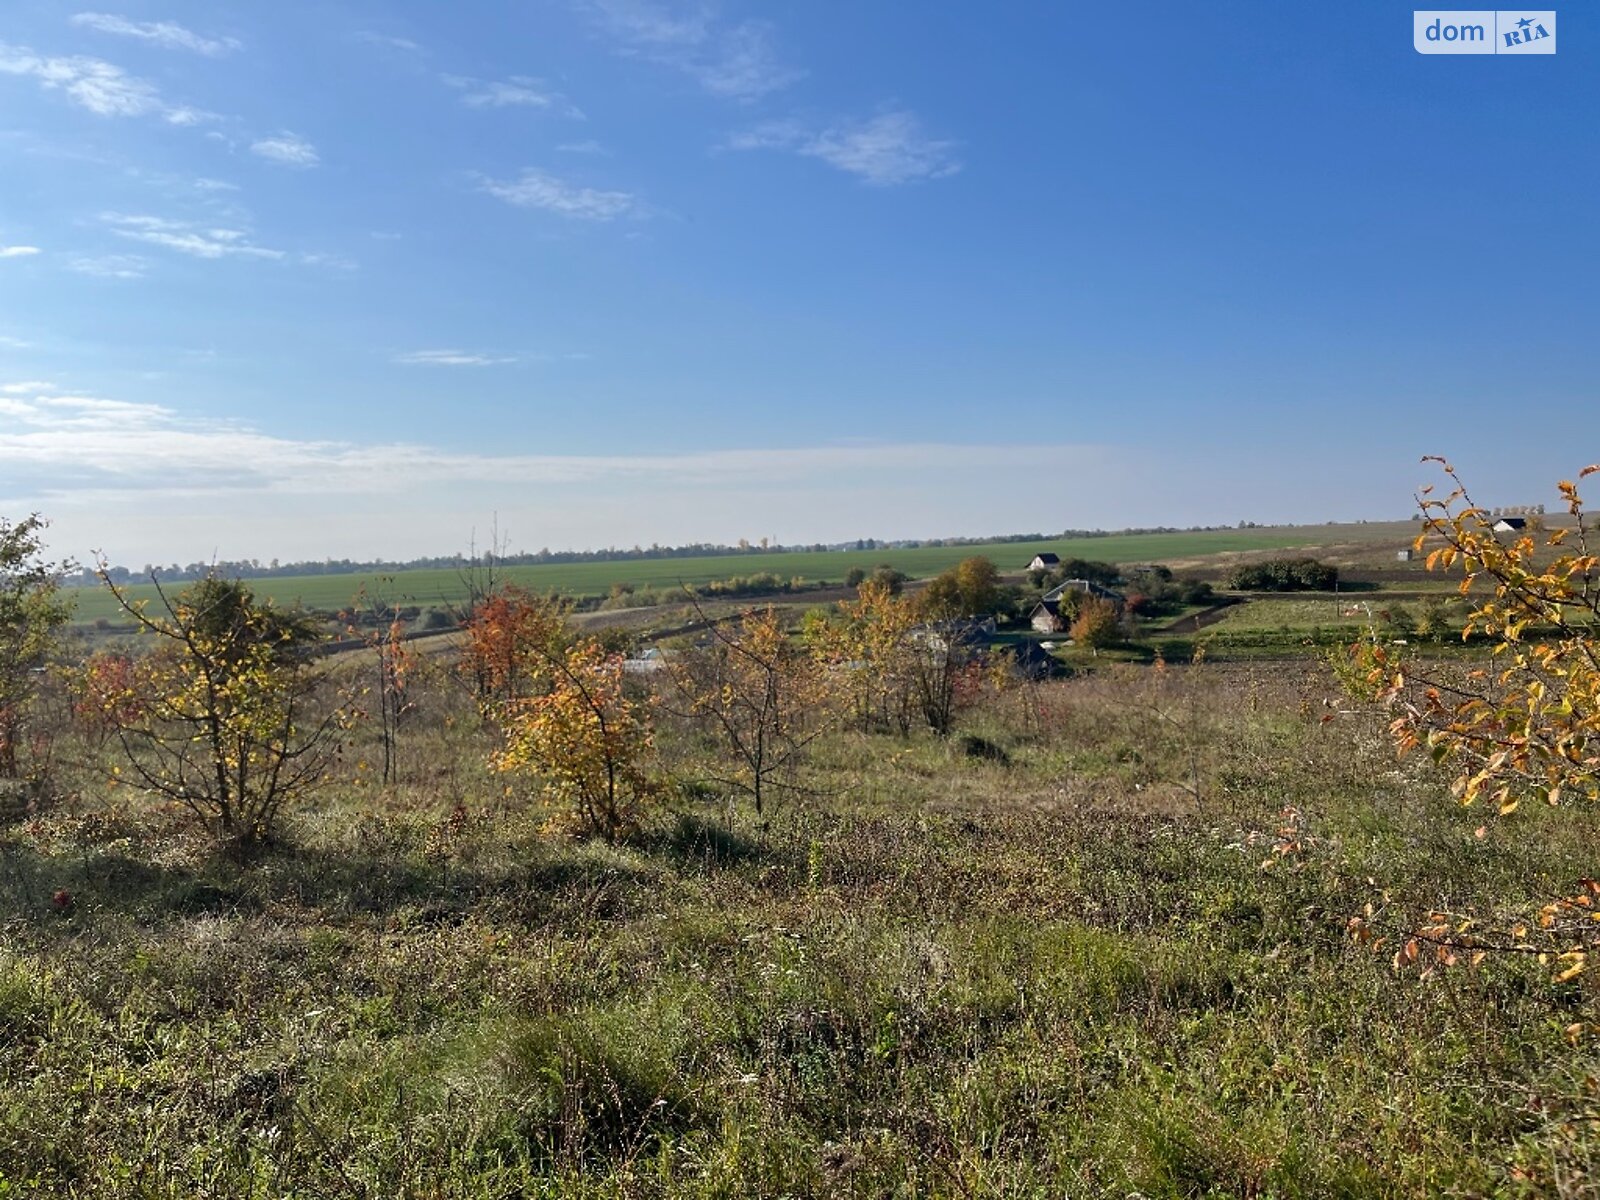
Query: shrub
{"x": 1283, "y": 575}
{"x": 1096, "y": 625}
{"x": 585, "y": 738}
{"x": 224, "y": 715}
{"x": 971, "y": 588}
{"x": 1529, "y": 728}
{"x": 511, "y": 635}
{"x": 31, "y": 615}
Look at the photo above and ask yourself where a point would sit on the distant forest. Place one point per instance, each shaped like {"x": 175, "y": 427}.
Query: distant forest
{"x": 255, "y": 569}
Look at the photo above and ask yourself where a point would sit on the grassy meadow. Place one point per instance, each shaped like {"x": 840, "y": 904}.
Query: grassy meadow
{"x": 1095, "y": 944}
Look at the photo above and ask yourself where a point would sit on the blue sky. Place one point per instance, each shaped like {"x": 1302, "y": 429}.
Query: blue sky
{"x": 352, "y": 278}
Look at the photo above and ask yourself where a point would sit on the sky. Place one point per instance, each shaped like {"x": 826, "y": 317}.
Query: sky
{"x": 349, "y": 278}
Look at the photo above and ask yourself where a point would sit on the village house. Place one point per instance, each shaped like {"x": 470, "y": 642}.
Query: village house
{"x": 969, "y": 633}
{"x": 1047, "y": 617}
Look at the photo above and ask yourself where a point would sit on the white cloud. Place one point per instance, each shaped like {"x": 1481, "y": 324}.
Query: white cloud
{"x": 589, "y": 146}
{"x": 451, "y": 358}
{"x": 18, "y": 251}
{"x": 640, "y": 23}
{"x": 517, "y": 91}
{"x": 101, "y": 87}
{"x": 743, "y": 65}
{"x": 159, "y": 33}
{"x": 25, "y": 387}
{"x": 289, "y": 149}
{"x": 110, "y": 266}
{"x": 157, "y": 482}
{"x": 187, "y": 238}
{"x": 183, "y": 114}
{"x": 536, "y": 189}
{"x": 386, "y": 42}
{"x": 142, "y": 447}
{"x": 736, "y": 62}
{"x": 317, "y": 258}
{"x": 14, "y": 343}
{"x": 45, "y": 410}
{"x": 884, "y": 150}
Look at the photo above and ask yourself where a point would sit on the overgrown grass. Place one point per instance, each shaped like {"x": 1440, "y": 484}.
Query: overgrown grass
{"x": 1088, "y": 967}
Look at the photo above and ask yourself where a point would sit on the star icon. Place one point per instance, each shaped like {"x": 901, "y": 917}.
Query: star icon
{"x": 1524, "y": 23}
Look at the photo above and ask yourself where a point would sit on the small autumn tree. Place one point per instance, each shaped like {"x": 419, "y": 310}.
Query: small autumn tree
{"x": 868, "y": 649}
{"x": 584, "y": 738}
{"x": 105, "y": 695}
{"x": 395, "y": 664}
{"x": 1529, "y": 724}
{"x": 945, "y": 663}
{"x": 971, "y": 588}
{"x": 512, "y": 637}
{"x": 225, "y": 714}
{"x": 1097, "y": 624}
{"x": 32, "y": 614}
{"x": 1525, "y": 727}
{"x": 761, "y": 697}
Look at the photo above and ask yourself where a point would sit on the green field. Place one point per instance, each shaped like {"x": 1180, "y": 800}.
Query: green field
{"x": 432, "y": 587}
{"x": 1303, "y": 613}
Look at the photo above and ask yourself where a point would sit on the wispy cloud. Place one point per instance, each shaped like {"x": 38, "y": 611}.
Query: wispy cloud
{"x": 159, "y": 33}
{"x": 110, "y": 266}
{"x": 884, "y": 150}
{"x": 103, "y": 88}
{"x": 641, "y": 23}
{"x": 589, "y": 146}
{"x": 146, "y": 447}
{"x": 289, "y": 149}
{"x": 519, "y": 91}
{"x": 43, "y": 409}
{"x": 184, "y": 114}
{"x": 187, "y": 238}
{"x": 92, "y": 83}
{"x": 536, "y": 189}
{"x": 734, "y": 61}
{"x": 163, "y": 480}
{"x": 387, "y": 42}
{"x": 321, "y": 258}
{"x": 451, "y": 358}
{"x": 18, "y": 251}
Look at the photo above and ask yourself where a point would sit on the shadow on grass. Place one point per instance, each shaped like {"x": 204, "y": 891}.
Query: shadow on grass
{"x": 43, "y": 889}
{"x": 76, "y": 889}
{"x": 696, "y": 842}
